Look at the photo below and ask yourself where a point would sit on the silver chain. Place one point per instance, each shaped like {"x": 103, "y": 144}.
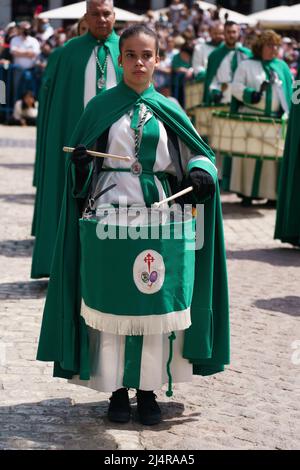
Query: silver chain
{"x": 102, "y": 69}
{"x": 138, "y": 136}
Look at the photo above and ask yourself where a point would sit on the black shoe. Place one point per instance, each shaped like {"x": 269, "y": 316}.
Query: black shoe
{"x": 148, "y": 410}
{"x": 271, "y": 203}
{"x": 119, "y": 410}
{"x": 246, "y": 202}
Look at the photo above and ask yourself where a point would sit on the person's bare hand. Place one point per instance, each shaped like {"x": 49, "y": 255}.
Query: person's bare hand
{"x": 189, "y": 73}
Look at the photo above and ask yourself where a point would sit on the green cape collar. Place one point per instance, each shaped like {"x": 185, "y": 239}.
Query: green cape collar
{"x": 117, "y": 101}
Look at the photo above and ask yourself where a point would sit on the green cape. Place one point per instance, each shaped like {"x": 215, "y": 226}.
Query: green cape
{"x": 284, "y": 74}
{"x": 63, "y": 104}
{"x": 44, "y": 107}
{"x": 288, "y": 205}
{"x": 64, "y": 337}
{"x": 214, "y": 61}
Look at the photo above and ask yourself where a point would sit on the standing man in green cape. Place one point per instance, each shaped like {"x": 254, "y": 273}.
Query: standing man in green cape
{"x": 113, "y": 350}
{"x": 261, "y": 86}
{"x": 202, "y": 51}
{"x": 222, "y": 64}
{"x": 84, "y": 67}
{"x": 288, "y": 205}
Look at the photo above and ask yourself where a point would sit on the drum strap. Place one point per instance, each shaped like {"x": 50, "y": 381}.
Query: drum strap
{"x": 172, "y": 337}
{"x": 269, "y": 96}
{"x": 100, "y": 146}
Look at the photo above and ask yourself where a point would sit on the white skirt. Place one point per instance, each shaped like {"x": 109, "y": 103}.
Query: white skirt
{"x": 108, "y": 362}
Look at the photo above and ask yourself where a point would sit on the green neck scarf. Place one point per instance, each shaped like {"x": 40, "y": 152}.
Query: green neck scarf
{"x": 282, "y": 71}
{"x": 214, "y": 61}
{"x": 269, "y": 92}
{"x": 89, "y": 41}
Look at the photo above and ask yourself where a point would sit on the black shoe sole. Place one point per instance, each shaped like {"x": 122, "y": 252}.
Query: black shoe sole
{"x": 150, "y": 421}
{"x": 119, "y": 418}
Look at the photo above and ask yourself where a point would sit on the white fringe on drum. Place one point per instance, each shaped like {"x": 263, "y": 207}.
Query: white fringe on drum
{"x": 131, "y": 325}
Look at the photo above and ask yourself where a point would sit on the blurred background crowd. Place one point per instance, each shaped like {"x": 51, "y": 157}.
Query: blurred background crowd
{"x": 25, "y": 47}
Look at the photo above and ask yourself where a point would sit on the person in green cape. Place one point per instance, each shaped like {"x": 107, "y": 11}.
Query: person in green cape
{"x": 202, "y": 51}
{"x": 221, "y": 65}
{"x": 115, "y": 351}
{"x": 81, "y": 29}
{"x": 82, "y": 68}
{"x": 287, "y": 227}
{"x": 181, "y": 71}
{"x": 261, "y": 86}
{"x": 43, "y": 116}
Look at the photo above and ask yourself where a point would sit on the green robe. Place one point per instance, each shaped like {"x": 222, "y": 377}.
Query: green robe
{"x": 63, "y": 104}
{"x": 64, "y": 337}
{"x": 214, "y": 61}
{"x": 43, "y": 111}
{"x": 288, "y": 206}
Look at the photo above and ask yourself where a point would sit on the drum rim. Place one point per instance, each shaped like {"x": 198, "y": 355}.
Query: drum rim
{"x": 190, "y": 220}
{"x": 205, "y": 106}
{"x": 250, "y": 155}
{"x": 246, "y": 117}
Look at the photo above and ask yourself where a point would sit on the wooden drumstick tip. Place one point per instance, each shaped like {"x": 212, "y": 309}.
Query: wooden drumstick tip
{"x": 100, "y": 154}
{"x": 171, "y": 198}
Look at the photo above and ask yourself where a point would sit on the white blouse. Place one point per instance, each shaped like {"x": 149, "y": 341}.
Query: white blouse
{"x": 251, "y": 74}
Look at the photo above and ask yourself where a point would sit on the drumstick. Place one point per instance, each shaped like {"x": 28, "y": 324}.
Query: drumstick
{"x": 99, "y": 154}
{"x": 175, "y": 196}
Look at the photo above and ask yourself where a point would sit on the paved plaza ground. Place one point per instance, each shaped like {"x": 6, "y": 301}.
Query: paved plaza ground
{"x": 253, "y": 405}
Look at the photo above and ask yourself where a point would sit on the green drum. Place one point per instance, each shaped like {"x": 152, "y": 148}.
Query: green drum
{"x": 248, "y": 136}
{"x": 137, "y": 278}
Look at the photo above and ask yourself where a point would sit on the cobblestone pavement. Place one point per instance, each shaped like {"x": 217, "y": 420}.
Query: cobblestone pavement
{"x": 253, "y": 405}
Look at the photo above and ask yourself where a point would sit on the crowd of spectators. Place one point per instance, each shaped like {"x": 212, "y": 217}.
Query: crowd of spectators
{"x": 26, "y": 46}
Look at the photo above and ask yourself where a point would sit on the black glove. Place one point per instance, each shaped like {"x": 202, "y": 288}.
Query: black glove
{"x": 264, "y": 86}
{"x": 80, "y": 158}
{"x": 256, "y": 97}
{"x": 81, "y": 161}
{"x": 203, "y": 184}
{"x": 217, "y": 97}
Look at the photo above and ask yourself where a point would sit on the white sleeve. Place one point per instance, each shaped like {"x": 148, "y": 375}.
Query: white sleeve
{"x": 13, "y": 45}
{"x": 198, "y": 63}
{"x": 36, "y": 46}
{"x": 188, "y": 157}
{"x": 239, "y": 82}
{"x": 17, "y": 114}
{"x": 215, "y": 85}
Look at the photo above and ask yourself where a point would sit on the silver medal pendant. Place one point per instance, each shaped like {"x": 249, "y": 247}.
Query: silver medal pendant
{"x": 136, "y": 168}
{"x": 101, "y": 83}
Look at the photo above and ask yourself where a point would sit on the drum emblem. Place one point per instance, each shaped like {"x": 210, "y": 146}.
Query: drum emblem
{"x": 149, "y": 272}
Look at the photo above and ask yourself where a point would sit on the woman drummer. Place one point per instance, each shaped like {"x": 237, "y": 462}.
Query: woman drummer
{"x": 134, "y": 120}
{"x": 261, "y": 86}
